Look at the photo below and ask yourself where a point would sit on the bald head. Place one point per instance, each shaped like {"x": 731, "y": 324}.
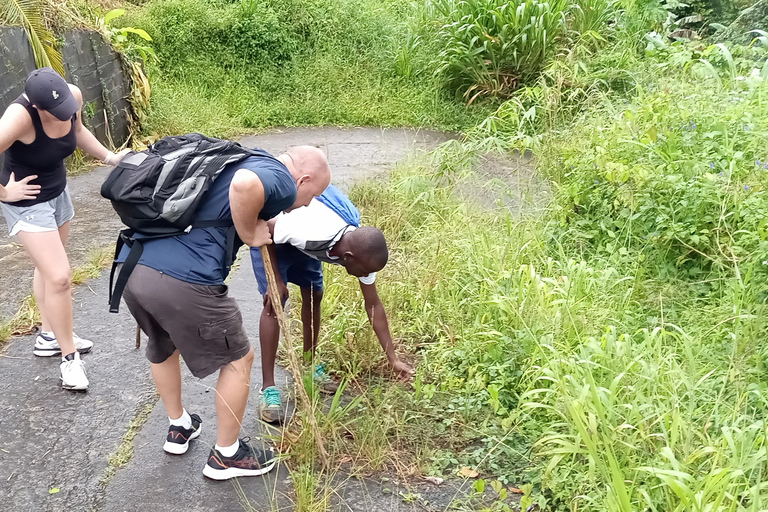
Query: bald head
{"x": 310, "y": 171}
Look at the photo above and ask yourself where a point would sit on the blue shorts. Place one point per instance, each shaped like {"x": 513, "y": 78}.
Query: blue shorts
{"x": 295, "y": 267}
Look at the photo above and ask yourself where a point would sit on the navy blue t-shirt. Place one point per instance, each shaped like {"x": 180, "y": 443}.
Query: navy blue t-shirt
{"x": 198, "y": 256}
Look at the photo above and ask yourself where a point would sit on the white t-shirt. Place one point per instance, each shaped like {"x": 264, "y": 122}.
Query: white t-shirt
{"x": 314, "y": 230}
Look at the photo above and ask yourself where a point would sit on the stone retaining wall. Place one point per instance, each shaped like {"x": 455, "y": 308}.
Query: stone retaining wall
{"x": 90, "y": 63}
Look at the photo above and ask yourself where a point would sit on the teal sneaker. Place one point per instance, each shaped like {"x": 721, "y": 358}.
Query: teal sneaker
{"x": 323, "y": 381}
{"x": 271, "y": 409}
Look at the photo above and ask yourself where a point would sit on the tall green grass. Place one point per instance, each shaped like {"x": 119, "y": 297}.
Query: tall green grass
{"x": 492, "y": 46}
{"x": 603, "y": 386}
{"x": 229, "y": 67}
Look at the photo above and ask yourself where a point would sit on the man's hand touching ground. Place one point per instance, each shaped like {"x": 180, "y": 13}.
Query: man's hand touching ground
{"x": 402, "y": 370}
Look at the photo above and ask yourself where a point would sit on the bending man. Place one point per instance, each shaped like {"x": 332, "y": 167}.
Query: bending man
{"x": 178, "y": 296}
{"x": 326, "y": 231}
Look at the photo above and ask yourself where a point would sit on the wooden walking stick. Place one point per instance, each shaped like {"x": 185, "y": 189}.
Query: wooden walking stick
{"x": 298, "y": 382}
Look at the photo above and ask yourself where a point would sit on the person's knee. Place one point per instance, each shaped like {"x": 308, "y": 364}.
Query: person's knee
{"x": 269, "y": 319}
{"x": 59, "y": 281}
{"x": 313, "y": 295}
{"x": 241, "y": 367}
{"x": 245, "y": 363}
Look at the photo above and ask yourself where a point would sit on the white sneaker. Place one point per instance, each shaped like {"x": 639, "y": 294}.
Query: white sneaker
{"x": 47, "y": 346}
{"x": 73, "y": 374}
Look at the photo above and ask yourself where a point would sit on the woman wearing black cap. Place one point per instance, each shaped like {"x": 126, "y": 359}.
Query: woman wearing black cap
{"x": 37, "y": 132}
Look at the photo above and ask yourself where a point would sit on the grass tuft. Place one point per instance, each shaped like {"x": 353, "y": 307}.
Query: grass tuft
{"x": 124, "y": 452}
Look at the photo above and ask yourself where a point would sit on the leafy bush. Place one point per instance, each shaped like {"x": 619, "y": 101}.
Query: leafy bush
{"x": 679, "y": 175}
{"x": 492, "y": 46}
{"x": 234, "y": 36}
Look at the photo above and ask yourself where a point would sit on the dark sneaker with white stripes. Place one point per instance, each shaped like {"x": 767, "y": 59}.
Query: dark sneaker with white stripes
{"x": 178, "y": 438}
{"x": 247, "y": 461}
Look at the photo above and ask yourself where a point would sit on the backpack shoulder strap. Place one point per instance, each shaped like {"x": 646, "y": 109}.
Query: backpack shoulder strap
{"x": 116, "y": 293}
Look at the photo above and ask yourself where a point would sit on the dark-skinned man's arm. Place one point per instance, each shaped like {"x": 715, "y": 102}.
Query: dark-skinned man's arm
{"x": 378, "y": 318}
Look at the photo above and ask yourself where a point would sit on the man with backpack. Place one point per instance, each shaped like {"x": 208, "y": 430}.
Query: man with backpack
{"x": 176, "y": 291}
{"x": 327, "y": 230}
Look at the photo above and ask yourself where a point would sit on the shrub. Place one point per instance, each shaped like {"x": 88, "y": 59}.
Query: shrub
{"x": 679, "y": 175}
{"x": 492, "y": 46}
{"x": 187, "y": 34}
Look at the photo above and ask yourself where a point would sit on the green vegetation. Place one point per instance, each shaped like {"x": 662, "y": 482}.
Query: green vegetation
{"x": 491, "y": 46}
{"x": 124, "y": 452}
{"x": 23, "y": 322}
{"x": 604, "y": 386}
{"x": 607, "y": 354}
{"x": 228, "y": 67}
{"x": 29, "y": 14}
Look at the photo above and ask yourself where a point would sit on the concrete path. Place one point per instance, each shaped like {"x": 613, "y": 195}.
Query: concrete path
{"x": 54, "y": 445}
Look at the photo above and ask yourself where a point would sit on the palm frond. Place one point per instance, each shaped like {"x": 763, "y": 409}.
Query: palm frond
{"x": 29, "y": 14}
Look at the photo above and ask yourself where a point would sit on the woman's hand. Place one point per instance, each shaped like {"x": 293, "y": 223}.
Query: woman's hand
{"x": 115, "y": 159}
{"x": 19, "y": 190}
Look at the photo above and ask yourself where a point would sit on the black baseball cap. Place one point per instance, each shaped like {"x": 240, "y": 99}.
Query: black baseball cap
{"x": 48, "y": 91}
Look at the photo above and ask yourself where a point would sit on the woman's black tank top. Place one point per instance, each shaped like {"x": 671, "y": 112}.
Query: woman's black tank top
{"x": 44, "y": 157}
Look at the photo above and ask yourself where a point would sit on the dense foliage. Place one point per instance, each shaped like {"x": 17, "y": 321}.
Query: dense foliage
{"x": 229, "y": 66}
{"x": 610, "y": 352}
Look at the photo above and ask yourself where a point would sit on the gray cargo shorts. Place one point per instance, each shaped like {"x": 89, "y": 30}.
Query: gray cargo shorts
{"x": 202, "y": 322}
{"x": 41, "y": 217}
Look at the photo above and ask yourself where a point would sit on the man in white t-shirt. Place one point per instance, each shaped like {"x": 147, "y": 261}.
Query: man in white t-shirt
{"x": 303, "y": 239}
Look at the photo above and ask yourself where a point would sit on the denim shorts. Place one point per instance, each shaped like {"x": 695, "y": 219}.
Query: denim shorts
{"x": 295, "y": 267}
{"x": 47, "y": 216}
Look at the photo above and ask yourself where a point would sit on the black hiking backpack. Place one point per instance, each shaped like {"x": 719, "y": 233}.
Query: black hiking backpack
{"x": 156, "y": 193}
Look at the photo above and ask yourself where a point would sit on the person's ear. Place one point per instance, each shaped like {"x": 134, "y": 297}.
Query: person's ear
{"x": 302, "y": 179}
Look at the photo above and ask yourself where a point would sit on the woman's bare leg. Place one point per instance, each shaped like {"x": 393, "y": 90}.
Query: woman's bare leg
{"x": 38, "y": 284}
{"x": 47, "y": 253}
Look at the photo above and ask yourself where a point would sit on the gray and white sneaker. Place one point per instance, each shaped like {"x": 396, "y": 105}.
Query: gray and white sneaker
{"x": 73, "y": 374}
{"x": 47, "y": 345}
{"x": 247, "y": 461}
